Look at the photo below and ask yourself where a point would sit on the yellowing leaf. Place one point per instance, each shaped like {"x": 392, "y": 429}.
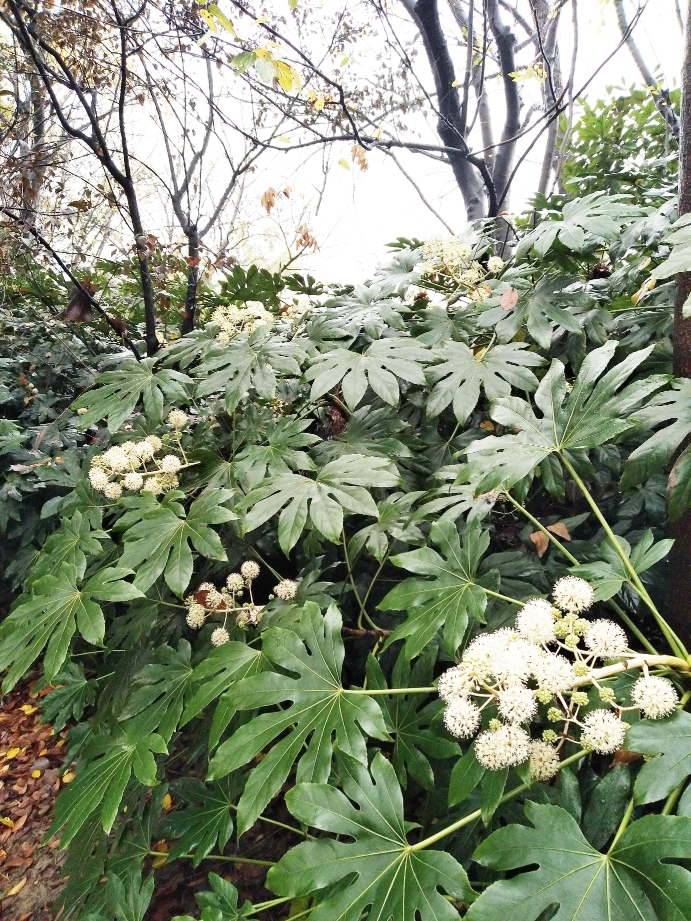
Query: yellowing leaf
{"x": 17, "y": 888}
{"x": 12, "y": 753}
{"x": 27, "y": 708}
{"x": 263, "y": 54}
{"x": 645, "y": 287}
{"x": 287, "y": 76}
{"x": 8, "y": 822}
{"x": 261, "y": 20}
{"x": 36, "y": 774}
{"x": 167, "y": 801}
{"x": 222, "y": 18}
{"x": 209, "y": 20}
{"x": 344, "y": 163}
{"x": 68, "y": 777}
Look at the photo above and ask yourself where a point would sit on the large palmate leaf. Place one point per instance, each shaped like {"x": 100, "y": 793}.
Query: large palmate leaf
{"x": 205, "y": 823}
{"x": 671, "y": 406}
{"x": 368, "y": 308}
{"x": 49, "y": 617}
{"x": 408, "y": 718}
{"x": 609, "y": 574}
{"x": 544, "y": 307}
{"x": 248, "y": 362}
{"x": 377, "y": 870}
{"x": 320, "y": 709}
{"x": 120, "y": 391}
{"x": 212, "y": 678}
{"x": 598, "y": 215}
{"x": 449, "y": 594}
{"x": 337, "y": 487}
{"x": 128, "y": 897}
{"x": 284, "y": 437}
{"x": 671, "y": 740}
{"x": 368, "y": 431}
{"x": 160, "y": 543}
{"x": 592, "y": 413}
{"x": 72, "y": 694}
{"x": 157, "y": 692}
{"x": 379, "y": 366}
{"x": 461, "y": 372}
{"x": 100, "y": 784}
{"x": 221, "y": 904}
{"x": 72, "y": 543}
{"x": 630, "y": 881}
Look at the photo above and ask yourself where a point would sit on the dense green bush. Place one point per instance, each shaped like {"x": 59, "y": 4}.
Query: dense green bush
{"x": 280, "y": 531}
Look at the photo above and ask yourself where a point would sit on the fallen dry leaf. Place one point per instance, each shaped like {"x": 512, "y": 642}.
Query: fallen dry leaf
{"x": 560, "y": 529}
{"x": 17, "y": 888}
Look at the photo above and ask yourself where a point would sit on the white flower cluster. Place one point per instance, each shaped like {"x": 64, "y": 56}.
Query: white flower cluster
{"x": 508, "y": 673}
{"x": 448, "y": 256}
{"x": 209, "y": 600}
{"x": 134, "y": 466}
{"x": 296, "y": 308}
{"x": 233, "y": 320}
{"x": 286, "y": 590}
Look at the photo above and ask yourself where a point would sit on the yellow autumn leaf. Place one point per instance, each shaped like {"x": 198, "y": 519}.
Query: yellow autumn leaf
{"x": 209, "y": 20}
{"x": 36, "y": 774}
{"x": 263, "y": 54}
{"x": 17, "y": 888}
{"x": 261, "y": 20}
{"x": 222, "y": 18}
{"x": 7, "y": 822}
{"x": 28, "y": 709}
{"x": 68, "y": 777}
{"x": 159, "y": 861}
{"x": 320, "y": 102}
{"x": 12, "y": 753}
{"x": 287, "y": 76}
{"x": 644, "y": 288}
{"x": 167, "y": 801}
{"x": 344, "y": 163}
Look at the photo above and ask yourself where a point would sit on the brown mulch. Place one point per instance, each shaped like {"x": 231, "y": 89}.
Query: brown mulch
{"x": 30, "y": 758}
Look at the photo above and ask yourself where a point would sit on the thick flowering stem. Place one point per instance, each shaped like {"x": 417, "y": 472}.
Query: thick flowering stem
{"x": 382, "y": 692}
{"x": 623, "y": 616}
{"x": 474, "y": 816}
{"x": 675, "y": 643}
{"x": 608, "y": 671}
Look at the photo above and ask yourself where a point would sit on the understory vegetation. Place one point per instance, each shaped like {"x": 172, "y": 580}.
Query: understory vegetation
{"x": 394, "y": 553}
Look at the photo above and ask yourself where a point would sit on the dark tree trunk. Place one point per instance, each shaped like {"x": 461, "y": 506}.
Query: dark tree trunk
{"x": 192, "y": 279}
{"x": 680, "y": 557}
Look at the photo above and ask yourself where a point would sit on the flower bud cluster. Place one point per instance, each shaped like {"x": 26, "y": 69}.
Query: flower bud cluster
{"x": 550, "y": 654}
{"x": 449, "y": 256}
{"x": 209, "y": 600}
{"x": 233, "y": 320}
{"x": 138, "y": 466}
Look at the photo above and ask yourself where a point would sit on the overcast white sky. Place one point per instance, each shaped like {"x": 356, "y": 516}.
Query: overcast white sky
{"x": 361, "y": 212}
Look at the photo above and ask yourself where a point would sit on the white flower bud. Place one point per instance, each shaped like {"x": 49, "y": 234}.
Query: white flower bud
{"x": 603, "y": 731}
{"x": 606, "y": 639}
{"x": 98, "y": 478}
{"x": 133, "y": 481}
{"x": 286, "y": 590}
{"x": 220, "y": 636}
{"x": 235, "y": 582}
{"x": 249, "y": 570}
{"x": 573, "y": 595}
{"x": 657, "y": 697}
{"x": 170, "y": 464}
{"x": 544, "y": 761}
{"x": 177, "y": 418}
{"x": 461, "y": 718}
{"x": 112, "y": 491}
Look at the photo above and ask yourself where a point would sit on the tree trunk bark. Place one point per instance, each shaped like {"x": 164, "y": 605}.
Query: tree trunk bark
{"x": 192, "y": 279}
{"x": 680, "y": 556}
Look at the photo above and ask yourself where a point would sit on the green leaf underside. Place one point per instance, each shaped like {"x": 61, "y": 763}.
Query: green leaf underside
{"x": 319, "y": 711}
{"x": 630, "y": 882}
{"x": 394, "y": 883}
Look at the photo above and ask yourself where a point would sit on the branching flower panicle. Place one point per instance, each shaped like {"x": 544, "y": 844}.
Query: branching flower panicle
{"x": 551, "y": 657}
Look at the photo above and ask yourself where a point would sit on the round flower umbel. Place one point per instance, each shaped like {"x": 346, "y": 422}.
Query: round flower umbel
{"x": 209, "y": 601}
{"x": 135, "y": 466}
{"x": 551, "y": 658}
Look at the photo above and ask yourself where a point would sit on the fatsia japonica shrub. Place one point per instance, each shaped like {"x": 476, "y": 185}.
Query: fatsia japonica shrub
{"x": 383, "y": 569}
